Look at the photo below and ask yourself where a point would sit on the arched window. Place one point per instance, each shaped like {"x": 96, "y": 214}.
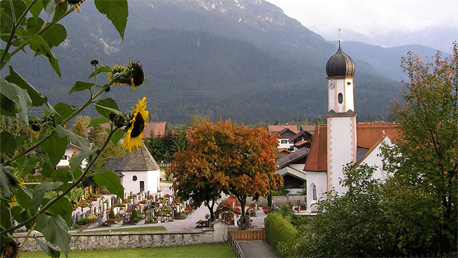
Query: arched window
{"x": 314, "y": 197}
{"x": 340, "y": 98}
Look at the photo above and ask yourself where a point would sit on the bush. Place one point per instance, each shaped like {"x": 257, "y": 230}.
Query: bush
{"x": 84, "y": 221}
{"x": 280, "y": 233}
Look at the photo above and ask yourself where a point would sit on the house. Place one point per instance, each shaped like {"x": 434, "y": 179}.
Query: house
{"x": 285, "y": 133}
{"x": 155, "y": 129}
{"x": 138, "y": 171}
{"x": 302, "y": 139}
{"x": 290, "y": 167}
{"x": 342, "y": 140}
{"x": 71, "y": 151}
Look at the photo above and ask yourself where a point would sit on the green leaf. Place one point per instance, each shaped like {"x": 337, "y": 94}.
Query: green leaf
{"x": 77, "y": 174}
{"x": 107, "y": 106}
{"x": 7, "y": 180}
{"x": 21, "y": 216}
{"x": 18, "y": 96}
{"x": 76, "y": 161}
{"x": 40, "y": 191}
{"x": 6, "y": 60}
{"x": 116, "y": 11}
{"x": 63, "y": 208}
{"x": 8, "y": 143}
{"x": 111, "y": 181}
{"x": 97, "y": 121}
{"x": 61, "y": 175}
{"x": 60, "y": 10}
{"x": 24, "y": 197}
{"x": 55, "y": 148}
{"x": 40, "y": 47}
{"x": 55, "y": 231}
{"x": 102, "y": 69}
{"x": 47, "y": 249}
{"x": 64, "y": 110}
{"x": 79, "y": 141}
{"x": 80, "y": 86}
{"x": 55, "y": 35}
{"x": 49, "y": 5}
{"x": 13, "y": 8}
{"x": 36, "y": 8}
{"x": 117, "y": 136}
{"x": 37, "y": 98}
{"x": 5, "y": 215}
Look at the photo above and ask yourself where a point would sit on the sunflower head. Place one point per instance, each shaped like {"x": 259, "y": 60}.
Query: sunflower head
{"x": 75, "y": 3}
{"x": 132, "y": 75}
{"x": 134, "y": 130}
{"x": 138, "y": 76}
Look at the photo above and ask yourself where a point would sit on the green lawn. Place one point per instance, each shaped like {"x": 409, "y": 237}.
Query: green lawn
{"x": 204, "y": 250}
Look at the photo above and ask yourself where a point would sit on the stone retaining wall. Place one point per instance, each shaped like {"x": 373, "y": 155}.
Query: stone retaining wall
{"x": 123, "y": 240}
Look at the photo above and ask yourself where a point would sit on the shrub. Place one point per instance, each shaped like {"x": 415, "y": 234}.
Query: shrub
{"x": 84, "y": 221}
{"x": 280, "y": 233}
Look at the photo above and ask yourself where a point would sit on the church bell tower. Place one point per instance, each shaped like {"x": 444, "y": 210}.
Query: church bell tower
{"x": 341, "y": 118}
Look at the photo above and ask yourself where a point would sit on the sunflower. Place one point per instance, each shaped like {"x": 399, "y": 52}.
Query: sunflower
{"x": 134, "y": 131}
{"x": 132, "y": 75}
{"x": 116, "y": 73}
{"x": 75, "y": 3}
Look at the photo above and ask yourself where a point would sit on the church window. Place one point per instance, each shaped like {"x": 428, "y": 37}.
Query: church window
{"x": 314, "y": 192}
{"x": 134, "y": 178}
{"x": 340, "y": 98}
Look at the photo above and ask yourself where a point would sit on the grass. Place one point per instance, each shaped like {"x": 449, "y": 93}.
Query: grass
{"x": 203, "y": 250}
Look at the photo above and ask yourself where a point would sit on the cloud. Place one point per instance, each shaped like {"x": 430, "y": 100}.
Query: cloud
{"x": 371, "y": 18}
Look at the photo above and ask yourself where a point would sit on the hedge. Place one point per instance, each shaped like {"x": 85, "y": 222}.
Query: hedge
{"x": 279, "y": 230}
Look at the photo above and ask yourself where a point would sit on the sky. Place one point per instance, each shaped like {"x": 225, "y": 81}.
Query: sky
{"x": 374, "y": 20}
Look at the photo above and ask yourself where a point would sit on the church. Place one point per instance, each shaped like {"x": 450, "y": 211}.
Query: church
{"x": 342, "y": 140}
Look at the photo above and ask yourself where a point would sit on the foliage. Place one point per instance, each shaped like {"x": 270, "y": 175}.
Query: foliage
{"x": 413, "y": 212}
{"x": 45, "y": 207}
{"x": 422, "y": 196}
{"x": 280, "y": 233}
{"x": 80, "y": 125}
{"x": 163, "y": 147}
{"x": 225, "y": 157}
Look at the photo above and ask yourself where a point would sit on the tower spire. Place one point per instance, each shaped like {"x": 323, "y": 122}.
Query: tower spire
{"x": 340, "y": 38}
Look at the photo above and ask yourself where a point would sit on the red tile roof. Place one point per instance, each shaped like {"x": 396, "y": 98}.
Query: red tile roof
{"x": 368, "y": 137}
{"x": 157, "y": 128}
{"x": 279, "y": 128}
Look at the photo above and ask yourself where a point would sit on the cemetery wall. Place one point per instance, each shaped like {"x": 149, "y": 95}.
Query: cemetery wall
{"x": 123, "y": 240}
{"x": 281, "y": 200}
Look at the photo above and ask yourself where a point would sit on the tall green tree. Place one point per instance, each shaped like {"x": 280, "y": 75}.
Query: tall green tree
{"x": 422, "y": 194}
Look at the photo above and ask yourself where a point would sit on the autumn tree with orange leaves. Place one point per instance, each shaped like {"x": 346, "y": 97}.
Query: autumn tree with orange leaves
{"x": 225, "y": 158}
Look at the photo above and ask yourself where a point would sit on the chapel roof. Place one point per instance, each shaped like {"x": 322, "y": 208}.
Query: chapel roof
{"x": 340, "y": 65}
{"x": 368, "y": 137}
{"x": 138, "y": 160}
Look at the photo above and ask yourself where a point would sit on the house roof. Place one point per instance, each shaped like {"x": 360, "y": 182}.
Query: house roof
{"x": 155, "y": 128}
{"x": 292, "y": 172}
{"x": 279, "y": 128}
{"x": 138, "y": 160}
{"x": 113, "y": 163}
{"x": 300, "y": 134}
{"x": 368, "y": 137}
{"x": 309, "y": 128}
{"x": 293, "y": 157}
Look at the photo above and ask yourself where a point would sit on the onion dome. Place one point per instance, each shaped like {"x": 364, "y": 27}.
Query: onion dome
{"x": 340, "y": 65}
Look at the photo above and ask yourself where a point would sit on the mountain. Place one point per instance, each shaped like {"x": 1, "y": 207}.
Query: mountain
{"x": 239, "y": 59}
{"x": 386, "y": 61}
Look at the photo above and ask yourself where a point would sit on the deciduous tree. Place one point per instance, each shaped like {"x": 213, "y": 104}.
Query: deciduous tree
{"x": 225, "y": 157}
{"x": 422, "y": 195}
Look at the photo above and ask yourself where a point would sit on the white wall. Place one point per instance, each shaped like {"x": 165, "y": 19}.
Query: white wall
{"x": 320, "y": 180}
{"x": 375, "y": 159}
{"x": 150, "y": 179}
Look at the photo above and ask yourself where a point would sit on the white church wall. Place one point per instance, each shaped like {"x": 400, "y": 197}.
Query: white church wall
{"x": 153, "y": 181}
{"x": 375, "y": 159}
{"x": 341, "y": 142}
{"x": 319, "y": 180}
{"x": 131, "y": 181}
